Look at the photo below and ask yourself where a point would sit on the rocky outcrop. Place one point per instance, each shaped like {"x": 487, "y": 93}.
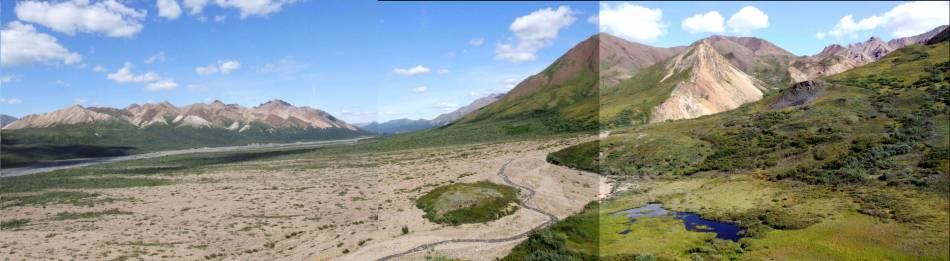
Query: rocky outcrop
{"x": 799, "y": 94}
{"x": 713, "y": 85}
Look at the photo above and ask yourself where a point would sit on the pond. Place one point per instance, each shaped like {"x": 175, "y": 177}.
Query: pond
{"x": 691, "y": 221}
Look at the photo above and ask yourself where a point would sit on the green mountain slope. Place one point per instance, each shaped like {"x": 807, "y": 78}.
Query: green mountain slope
{"x": 563, "y": 97}
{"x": 861, "y": 154}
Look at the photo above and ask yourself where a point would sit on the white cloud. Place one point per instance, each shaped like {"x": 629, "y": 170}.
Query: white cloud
{"x": 81, "y": 100}
{"x": 419, "y": 69}
{"x": 904, "y": 20}
{"x": 286, "y": 65}
{"x": 533, "y": 32}
{"x": 476, "y": 41}
{"x": 219, "y": 18}
{"x": 99, "y": 68}
{"x": 443, "y": 71}
{"x": 747, "y": 19}
{"x": 229, "y": 66}
{"x": 60, "y": 82}
{"x": 445, "y": 106}
{"x": 163, "y": 85}
{"x": 21, "y": 44}
{"x": 711, "y": 22}
{"x": 247, "y": 7}
{"x": 107, "y": 17}
{"x": 10, "y": 101}
{"x": 169, "y": 9}
{"x": 510, "y": 83}
{"x": 630, "y": 21}
{"x": 195, "y": 6}
{"x": 125, "y": 75}
{"x": 158, "y": 57}
{"x": 224, "y": 67}
{"x": 420, "y": 89}
{"x": 8, "y": 78}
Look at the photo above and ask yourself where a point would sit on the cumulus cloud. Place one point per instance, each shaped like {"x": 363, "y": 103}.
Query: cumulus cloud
{"x": 21, "y": 44}
{"x": 419, "y": 69}
{"x": 533, "y": 32}
{"x": 125, "y": 75}
{"x": 246, "y": 7}
{"x": 158, "y": 57}
{"x": 443, "y": 71}
{"x": 747, "y": 19}
{"x": 108, "y": 17}
{"x": 711, "y": 22}
{"x": 99, "y": 68}
{"x": 10, "y": 101}
{"x": 162, "y": 85}
{"x": 630, "y": 21}
{"x": 476, "y": 41}
{"x": 420, "y": 89}
{"x": 223, "y": 67}
{"x": 904, "y": 20}
{"x": 169, "y": 9}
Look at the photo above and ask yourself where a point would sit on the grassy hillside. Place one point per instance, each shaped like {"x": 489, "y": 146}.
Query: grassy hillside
{"x": 27, "y": 146}
{"x": 860, "y": 172}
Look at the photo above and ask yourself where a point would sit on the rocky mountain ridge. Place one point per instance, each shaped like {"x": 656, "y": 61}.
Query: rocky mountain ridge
{"x": 275, "y": 114}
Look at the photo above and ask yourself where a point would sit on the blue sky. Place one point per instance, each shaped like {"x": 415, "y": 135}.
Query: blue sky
{"x": 358, "y": 60}
{"x": 339, "y": 56}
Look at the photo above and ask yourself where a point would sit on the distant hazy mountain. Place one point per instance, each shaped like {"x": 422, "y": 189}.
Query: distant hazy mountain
{"x": 233, "y": 117}
{"x": 397, "y": 126}
{"x": 6, "y": 119}
{"x": 836, "y": 58}
{"x": 408, "y": 125}
{"x": 453, "y": 116}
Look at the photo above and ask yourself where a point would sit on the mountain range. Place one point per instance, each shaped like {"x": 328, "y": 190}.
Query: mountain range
{"x": 272, "y": 114}
{"x": 408, "y": 125}
{"x": 608, "y": 82}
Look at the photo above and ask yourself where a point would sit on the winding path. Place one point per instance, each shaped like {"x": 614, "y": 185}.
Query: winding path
{"x": 529, "y": 193}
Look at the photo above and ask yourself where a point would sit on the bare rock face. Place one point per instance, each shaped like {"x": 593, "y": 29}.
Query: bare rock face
{"x": 276, "y": 114}
{"x": 800, "y": 94}
{"x": 836, "y": 58}
{"x": 713, "y": 85}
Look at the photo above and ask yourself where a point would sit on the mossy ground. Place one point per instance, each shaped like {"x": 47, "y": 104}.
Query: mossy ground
{"x": 465, "y": 203}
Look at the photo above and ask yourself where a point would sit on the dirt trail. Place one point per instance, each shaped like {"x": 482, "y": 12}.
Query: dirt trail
{"x": 528, "y": 194}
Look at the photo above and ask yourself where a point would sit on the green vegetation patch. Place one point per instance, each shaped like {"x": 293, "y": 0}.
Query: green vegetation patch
{"x": 53, "y": 197}
{"x": 87, "y": 215}
{"x": 464, "y": 203}
{"x": 13, "y": 223}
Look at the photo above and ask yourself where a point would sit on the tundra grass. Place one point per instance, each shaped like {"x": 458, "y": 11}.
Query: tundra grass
{"x": 89, "y": 215}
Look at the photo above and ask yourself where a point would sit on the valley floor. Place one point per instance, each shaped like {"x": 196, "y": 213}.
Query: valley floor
{"x": 308, "y": 205}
